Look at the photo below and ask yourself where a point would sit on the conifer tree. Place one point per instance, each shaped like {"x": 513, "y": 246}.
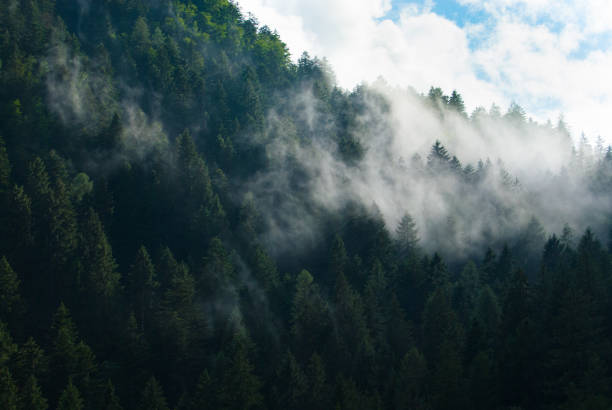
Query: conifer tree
{"x": 30, "y": 360}
{"x": 204, "y": 395}
{"x": 101, "y": 280}
{"x": 111, "y": 136}
{"x": 239, "y": 386}
{"x": 152, "y": 397}
{"x": 265, "y": 269}
{"x": 32, "y": 397}
{"x": 110, "y": 400}
{"x": 291, "y": 385}
{"x": 407, "y": 236}
{"x": 338, "y": 257}
{"x": 353, "y": 339}
{"x": 9, "y": 289}
{"x": 410, "y": 381}
{"x": 438, "y": 158}
{"x": 309, "y": 316}
{"x": 166, "y": 267}
{"x": 19, "y": 226}
{"x": 5, "y": 168}
{"x": 8, "y": 390}
{"x": 7, "y": 347}
{"x": 318, "y": 393}
{"x": 70, "y": 398}
{"x": 142, "y": 285}
{"x": 441, "y": 329}
{"x": 70, "y": 358}
{"x": 456, "y": 102}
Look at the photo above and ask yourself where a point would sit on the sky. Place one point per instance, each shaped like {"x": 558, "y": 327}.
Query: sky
{"x": 552, "y": 57}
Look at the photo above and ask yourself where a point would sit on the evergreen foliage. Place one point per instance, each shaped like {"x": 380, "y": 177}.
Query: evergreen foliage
{"x": 135, "y": 136}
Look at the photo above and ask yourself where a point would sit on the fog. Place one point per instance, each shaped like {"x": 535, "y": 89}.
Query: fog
{"x": 513, "y": 170}
{"x": 509, "y": 169}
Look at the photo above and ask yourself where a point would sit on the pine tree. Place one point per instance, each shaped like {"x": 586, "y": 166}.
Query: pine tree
{"x": 30, "y": 360}
{"x": 353, "y": 338}
{"x": 318, "y": 393}
{"x": 239, "y": 387}
{"x": 141, "y": 285}
{"x": 8, "y": 390}
{"x": 203, "y": 214}
{"x": 265, "y": 269}
{"x": 456, "y": 102}
{"x": 219, "y": 271}
{"x": 438, "y": 158}
{"x": 7, "y": 347}
{"x": 70, "y": 358}
{"x": 488, "y": 268}
{"x": 110, "y": 401}
{"x": 519, "y": 349}
{"x": 251, "y": 102}
{"x": 488, "y": 314}
{"x": 5, "y": 168}
{"x": 407, "y": 237}
{"x": 57, "y": 169}
{"x": 179, "y": 321}
{"x": 437, "y": 98}
{"x": 152, "y": 397}
{"x": 9, "y": 289}
{"x": 63, "y": 239}
{"x": 482, "y": 382}
{"x": 39, "y": 187}
{"x": 32, "y": 397}
{"x": 377, "y": 297}
{"x": 410, "y": 381}
{"x": 399, "y": 333}
{"x": 70, "y": 398}
{"x": 516, "y": 114}
{"x": 110, "y": 138}
{"x": 19, "y": 226}
{"x": 338, "y": 259}
{"x": 291, "y": 384}
{"x": 437, "y": 274}
{"x": 441, "y": 329}
{"x": 465, "y": 291}
{"x": 166, "y": 267}
{"x": 101, "y": 279}
{"x": 204, "y": 395}
{"x": 310, "y": 321}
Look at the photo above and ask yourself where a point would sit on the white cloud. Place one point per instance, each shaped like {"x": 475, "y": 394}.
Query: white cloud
{"x": 525, "y": 52}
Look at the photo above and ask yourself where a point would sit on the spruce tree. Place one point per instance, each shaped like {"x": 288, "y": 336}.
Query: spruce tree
{"x": 70, "y": 398}
{"x": 456, "y": 102}
{"x": 239, "y": 386}
{"x": 100, "y": 277}
{"x": 7, "y": 347}
{"x": 110, "y": 400}
{"x": 152, "y": 397}
{"x": 5, "y": 168}
{"x": 8, "y": 390}
{"x": 141, "y": 285}
{"x": 204, "y": 396}
{"x": 32, "y": 397}
{"x": 9, "y": 289}
{"x": 407, "y": 237}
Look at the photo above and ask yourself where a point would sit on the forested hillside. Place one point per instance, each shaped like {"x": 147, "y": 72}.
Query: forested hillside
{"x": 190, "y": 220}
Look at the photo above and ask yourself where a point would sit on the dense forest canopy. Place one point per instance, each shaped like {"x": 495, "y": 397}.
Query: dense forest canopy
{"x": 190, "y": 220}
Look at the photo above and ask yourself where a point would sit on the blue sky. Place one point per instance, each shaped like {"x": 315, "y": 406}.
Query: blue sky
{"x": 450, "y": 9}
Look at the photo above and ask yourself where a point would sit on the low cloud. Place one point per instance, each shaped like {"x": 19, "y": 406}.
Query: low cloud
{"x": 551, "y": 57}
{"x": 511, "y": 171}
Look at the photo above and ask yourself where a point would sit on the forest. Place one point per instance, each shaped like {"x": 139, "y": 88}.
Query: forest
{"x": 192, "y": 220}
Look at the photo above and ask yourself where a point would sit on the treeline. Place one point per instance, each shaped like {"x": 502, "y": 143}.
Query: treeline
{"x": 134, "y": 272}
